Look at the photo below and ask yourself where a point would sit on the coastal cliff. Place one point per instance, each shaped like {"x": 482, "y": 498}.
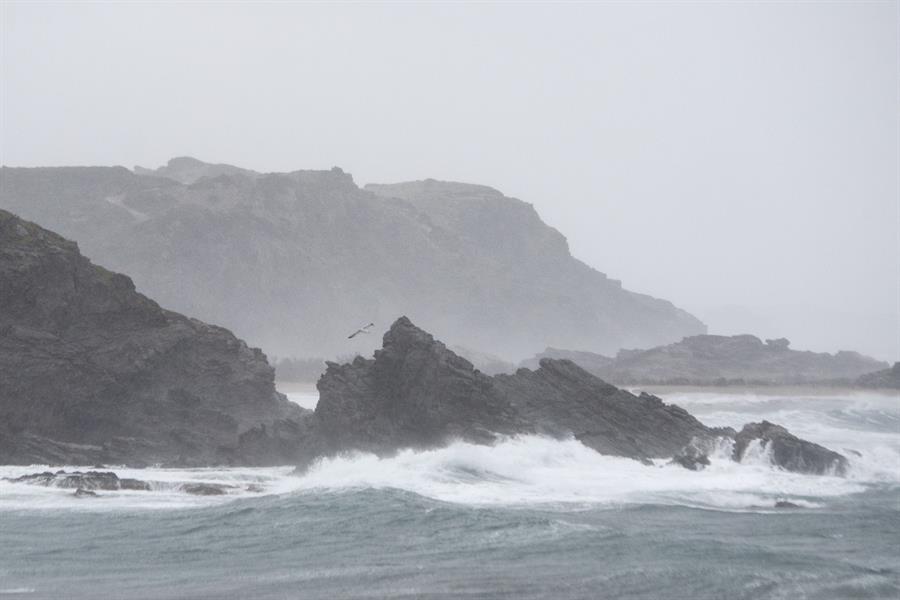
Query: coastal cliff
{"x": 92, "y": 371}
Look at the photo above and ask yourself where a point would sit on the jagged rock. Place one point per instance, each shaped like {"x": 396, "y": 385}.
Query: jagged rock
{"x": 93, "y": 372}
{"x": 788, "y": 451}
{"x": 90, "y": 480}
{"x": 416, "y": 392}
{"x": 886, "y": 378}
{"x": 691, "y": 458}
{"x": 82, "y": 493}
{"x": 721, "y": 360}
{"x": 288, "y": 260}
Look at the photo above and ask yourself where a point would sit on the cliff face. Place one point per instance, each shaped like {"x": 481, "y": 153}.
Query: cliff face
{"x": 92, "y": 371}
{"x": 294, "y": 261}
{"x": 717, "y": 359}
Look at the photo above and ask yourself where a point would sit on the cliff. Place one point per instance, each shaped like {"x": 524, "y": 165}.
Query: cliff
{"x": 92, "y": 371}
{"x": 294, "y": 261}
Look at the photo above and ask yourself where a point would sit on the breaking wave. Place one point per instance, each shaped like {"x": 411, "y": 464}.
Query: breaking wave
{"x": 527, "y": 471}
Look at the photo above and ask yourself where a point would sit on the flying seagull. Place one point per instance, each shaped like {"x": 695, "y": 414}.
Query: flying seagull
{"x": 360, "y": 330}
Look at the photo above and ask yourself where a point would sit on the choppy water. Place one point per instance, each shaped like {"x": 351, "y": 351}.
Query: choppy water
{"x": 528, "y": 518}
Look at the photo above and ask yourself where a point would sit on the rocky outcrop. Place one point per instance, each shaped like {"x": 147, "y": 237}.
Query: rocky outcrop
{"x": 722, "y": 360}
{"x": 589, "y": 361}
{"x": 188, "y": 170}
{"x": 92, "y": 371}
{"x": 417, "y": 393}
{"x": 90, "y": 480}
{"x": 788, "y": 451}
{"x": 885, "y": 378}
{"x": 291, "y": 261}
{"x": 84, "y": 483}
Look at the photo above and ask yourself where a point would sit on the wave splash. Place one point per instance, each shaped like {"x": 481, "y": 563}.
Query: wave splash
{"x": 529, "y": 470}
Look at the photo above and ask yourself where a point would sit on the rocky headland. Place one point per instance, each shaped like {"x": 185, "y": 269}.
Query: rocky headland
{"x": 722, "y": 360}
{"x": 885, "y": 378}
{"x": 92, "y": 371}
{"x": 417, "y": 393}
{"x": 293, "y": 262}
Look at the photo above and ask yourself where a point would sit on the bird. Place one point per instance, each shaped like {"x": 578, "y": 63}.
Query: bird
{"x": 364, "y": 329}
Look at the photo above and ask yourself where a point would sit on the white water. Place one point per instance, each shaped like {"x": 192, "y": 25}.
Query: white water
{"x": 531, "y": 470}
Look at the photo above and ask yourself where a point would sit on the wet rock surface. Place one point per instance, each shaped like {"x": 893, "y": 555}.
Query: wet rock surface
{"x": 93, "y": 372}
{"x": 417, "y": 393}
{"x": 205, "y": 489}
{"x": 83, "y": 481}
{"x": 788, "y": 451}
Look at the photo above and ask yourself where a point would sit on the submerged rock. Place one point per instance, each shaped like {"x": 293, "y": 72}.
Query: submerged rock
{"x": 83, "y": 493}
{"x": 205, "y": 489}
{"x": 788, "y": 451}
{"x": 87, "y": 481}
{"x": 786, "y": 504}
{"x": 692, "y": 459}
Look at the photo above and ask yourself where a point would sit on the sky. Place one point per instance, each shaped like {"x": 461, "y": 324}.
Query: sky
{"x": 738, "y": 159}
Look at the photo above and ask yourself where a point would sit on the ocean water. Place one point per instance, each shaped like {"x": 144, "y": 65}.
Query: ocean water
{"x": 528, "y": 518}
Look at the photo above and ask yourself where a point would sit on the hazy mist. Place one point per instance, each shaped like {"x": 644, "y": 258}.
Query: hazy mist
{"x": 739, "y": 160}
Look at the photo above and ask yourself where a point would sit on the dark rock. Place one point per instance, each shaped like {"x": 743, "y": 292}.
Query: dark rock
{"x": 691, "y": 458}
{"x": 134, "y": 484}
{"x": 90, "y": 480}
{"x": 205, "y": 489}
{"x": 417, "y": 393}
{"x": 83, "y": 493}
{"x": 788, "y": 451}
{"x": 786, "y": 504}
{"x": 94, "y": 373}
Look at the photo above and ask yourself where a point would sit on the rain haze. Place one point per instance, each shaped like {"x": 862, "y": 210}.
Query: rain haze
{"x": 740, "y": 160}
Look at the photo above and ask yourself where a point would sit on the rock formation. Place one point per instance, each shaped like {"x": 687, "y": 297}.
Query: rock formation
{"x": 417, "y": 393}
{"x": 885, "y": 378}
{"x": 722, "y": 360}
{"x": 294, "y": 261}
{"x": 789, "y": 451}
{"x": 92, "y": 371}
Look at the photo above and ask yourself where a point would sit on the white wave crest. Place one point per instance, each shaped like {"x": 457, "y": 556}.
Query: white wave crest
{"x": 529, "y": 470}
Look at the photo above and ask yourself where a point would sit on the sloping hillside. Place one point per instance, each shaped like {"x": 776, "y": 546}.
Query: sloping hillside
{"x": 293, "y": 262}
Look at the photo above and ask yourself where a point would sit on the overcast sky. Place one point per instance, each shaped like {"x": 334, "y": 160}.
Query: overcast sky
{"x": 738, "y": 159}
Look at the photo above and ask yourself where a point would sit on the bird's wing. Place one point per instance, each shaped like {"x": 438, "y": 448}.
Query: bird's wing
{"x": 352, "y": 335}
{"x": 369, "y": 325}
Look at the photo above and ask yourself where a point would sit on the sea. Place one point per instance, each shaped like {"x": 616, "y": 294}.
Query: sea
{"x": 530, "y": 517}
